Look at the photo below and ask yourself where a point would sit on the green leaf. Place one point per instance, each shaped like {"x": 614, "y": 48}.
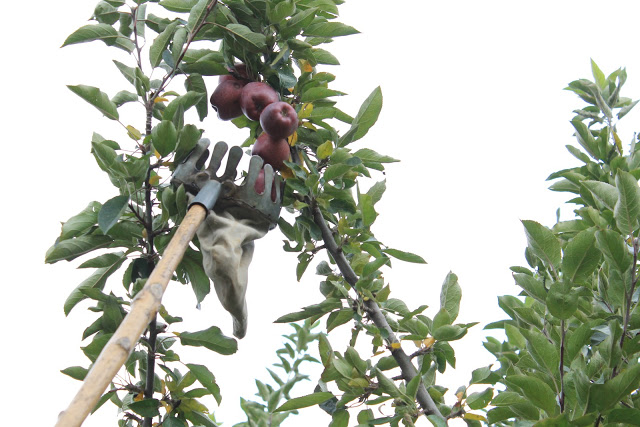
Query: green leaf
{"x": 368, "y": 155}
{"x": 195, "y": 83}
{"x": 123, "y": 97}
{"x": 207, "y": 379}
{"x": 324, "y": 57}
{"x": 339, "y": 418}
{"x": 536, "y": 391}
{"x": 206, "y": 68}
{"x": 627, "y": 209}
{"x": 339, "y": 317}
{"x": 317, "y": 93}
{"x": 93, "y": 350}
{"x": 544, "y": 353}
{"x": 604, "y": 192}
{"x": 160, "y": 44}
{"x": 187, "y": 101}
{"x": 97, "y": 98}
{"x": 576, "y": 340}
{"x": 604, "y": 396}
{"x": 329, "y": 29}
{"x": 581, "y": 257}
{"x": 180, "y": 6}
{"x": 625, "y": 416}
{"x": 97, "y": 280}
{"x": 111, "y": 212}
{"x": 366, "y": 117}
{"x": 615, "y": 250}
{"x": 197, "y": 277}
{"x": 324, "y": 307}
{"x": 376, "y": 191}
{"x": 164, "y": 137}
{"x": 404, "y": 256}
{"x": 543, "y": 243}
{"x": 598, "y": 75}
{"x": 146, "y": 407}
{"x": 534, "y": 287}
{"x": 89, "y": 33}
{"x": 82, "y": 222}
{"x": 450, "y": 296}
{"x": 365, "y": 204}
{"x": 197, "y": 14}
{"x": 211, "y": 338}
{"x": 187, "y": 140}
{"x": 279, "y": 11}
{"x": 449, "y": 333}
{"x": 254, "y": 42}
{"x": 374, "y": 265}
{"x": 562, "y": 300}
{"x": 305, "y": 401}
{"x": 72, "y": 248}
{"x": 479, "y": 399}
{"x": 76, "y": 372}
{"x": 585, "y": 138}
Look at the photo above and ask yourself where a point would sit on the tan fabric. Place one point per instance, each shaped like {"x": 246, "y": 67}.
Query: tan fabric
{"x": 227, "y": 248}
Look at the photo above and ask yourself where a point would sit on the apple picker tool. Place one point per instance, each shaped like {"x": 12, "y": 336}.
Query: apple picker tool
{"x": 238, "y": 217}
{"x": 227, "y": 219}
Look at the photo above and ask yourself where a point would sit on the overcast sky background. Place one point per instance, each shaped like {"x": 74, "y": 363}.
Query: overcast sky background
{"x": 474, "y": 108}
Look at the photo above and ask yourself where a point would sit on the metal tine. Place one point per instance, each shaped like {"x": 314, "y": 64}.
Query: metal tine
{"x": 235, "y": 154}
{"x": 268, "y": 179}
{"x": 255, "y": 164}
{"x": 219, "y": 150}
{"x": 190, "y": 165}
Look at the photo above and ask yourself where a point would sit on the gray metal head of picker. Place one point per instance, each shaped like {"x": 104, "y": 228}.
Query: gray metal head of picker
{"x": 241, "y": 200}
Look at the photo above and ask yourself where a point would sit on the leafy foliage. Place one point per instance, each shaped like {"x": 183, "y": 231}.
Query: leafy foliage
{"x": 571, "y": 355}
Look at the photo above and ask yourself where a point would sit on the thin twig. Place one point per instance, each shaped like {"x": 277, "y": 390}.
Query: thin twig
{"x": 375, "y": 313}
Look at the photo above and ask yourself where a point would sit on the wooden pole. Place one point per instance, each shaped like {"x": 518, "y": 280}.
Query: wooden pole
{"x": 143, "y": 309}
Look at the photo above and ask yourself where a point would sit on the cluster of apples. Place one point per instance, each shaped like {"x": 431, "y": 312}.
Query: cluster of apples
{"x": 236, "y": 94}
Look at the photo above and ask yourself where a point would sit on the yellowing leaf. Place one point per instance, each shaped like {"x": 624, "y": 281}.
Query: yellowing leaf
{"x": 144, "y": 233}
{"x": 325, "y": 150}
{"x": 305, "y": 111}
{"x": 139, "y": 397}
{"x": 428, "y": 342}
{"x": 395, "y": 345}
{"x": 475, "y": 417}
{"x": 291, "y": 89}
{"x": 166, "y": 406}
{"x": 309, "y": 125}
{"x": 378, "y": 353}
{"x": 618, "y": 142}
{"x": 286, "y": 173}
{"x": 305, "y": 66}
{"x": 155, "y": 153}
{"x": 154, "y": 180}
{"x": 293, "y": 139}
{"x": 460, "y": 395}
{"x": 133, "y": 133}
{"x": 160, "y": 99}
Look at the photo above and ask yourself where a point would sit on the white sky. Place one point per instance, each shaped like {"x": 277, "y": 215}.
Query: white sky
{"x": 473, "y": 106}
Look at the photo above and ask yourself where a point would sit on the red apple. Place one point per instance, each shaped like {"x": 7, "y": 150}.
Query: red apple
{"x": 255, "y": 97}
{"x": 279, "y": 119}
{"x": 259, "y": 185}
{"x": 238, "y": 70}
{"x": 274, "y": 151}
{"x": 225, "y": 99}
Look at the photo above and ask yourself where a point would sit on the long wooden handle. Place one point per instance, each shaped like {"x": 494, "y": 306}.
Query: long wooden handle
{"x": 143, "y": 309}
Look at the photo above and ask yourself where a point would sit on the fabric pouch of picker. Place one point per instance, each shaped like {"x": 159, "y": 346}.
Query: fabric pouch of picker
{"x": 240, "y": 216}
